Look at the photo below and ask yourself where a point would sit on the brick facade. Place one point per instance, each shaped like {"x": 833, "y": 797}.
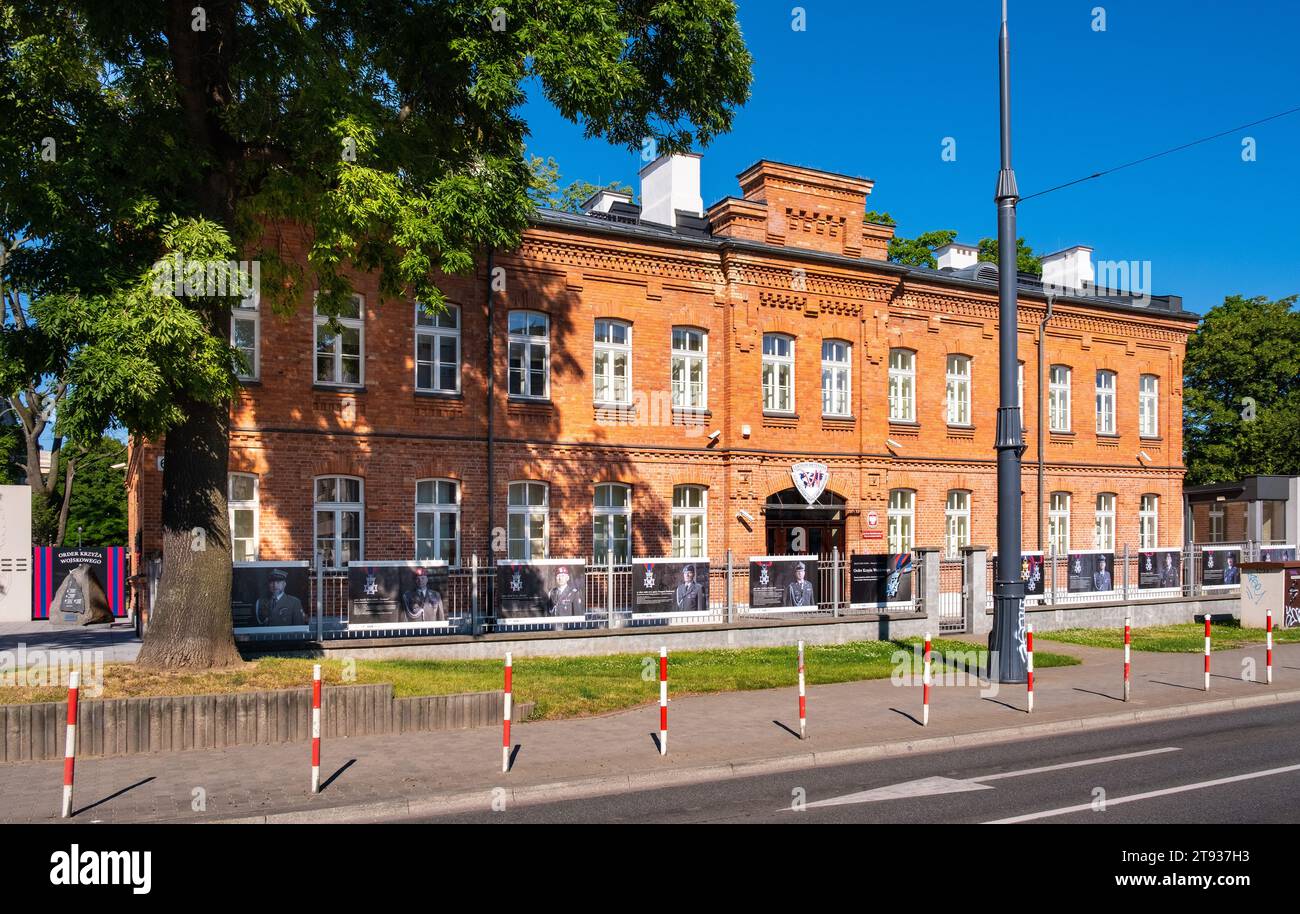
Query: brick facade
{"x": 793, "y": 256}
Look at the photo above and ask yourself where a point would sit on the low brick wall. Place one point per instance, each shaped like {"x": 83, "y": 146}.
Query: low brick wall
{"x": 129, "y": 726}
{"x": 1170, "y": 611}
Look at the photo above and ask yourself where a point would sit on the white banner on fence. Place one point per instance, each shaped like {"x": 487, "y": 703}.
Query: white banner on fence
{"x": 268, "y": 598}
{"x": 541, "y": 590}
{"x": 1220, "y": 567}
{"x": 670, "y": 588}
{"x": 782, "y": 583}
{"x": 399, "y": 595}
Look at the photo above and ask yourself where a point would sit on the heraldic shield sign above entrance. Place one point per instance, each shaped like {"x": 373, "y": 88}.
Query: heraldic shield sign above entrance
{"x": 810, "y": 479}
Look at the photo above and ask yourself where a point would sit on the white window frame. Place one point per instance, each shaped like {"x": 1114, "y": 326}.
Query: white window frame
{"x": 528, "y": 511}
{"x": 958, "y": 389}
{"x": 1103, "y": 530}
{"x": 956, "y": 515}
{"x": 1058, "y": 522}
{"x": 776, "y": 362}
{"x": 612, "y": 351}
{"x": 1058, "y": 398}
{"x": 1149, "y": 521}
{"x": 357, "y": 323}
{"x": 900, "y": 520}
{"x": 339, "y": 508}
{"x": 248, "y": 311}
{"x": 528, "y": 341}
{"x": 436, "y": 333}
{"x": 600, "y": 551}
{"x": 436, "y": 509}
{"x": 687, "y": 513}
{"x": 252, "y": 504}
{"x": 1020, "y": 390}
{"x": 838, "y": 371}
{"x": 902, "y": 385}
{"x": 686, "y": 357}
{"x": 1149, "y": 406}
{"x": 1217, "y": 527}
{"x": 1107, "y": 381}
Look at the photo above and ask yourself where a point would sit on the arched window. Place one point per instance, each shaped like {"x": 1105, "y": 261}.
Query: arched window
{"x": 689, "y": 369}
{"x": 778, "y": 373}
{"x": 528, "y": 520}
{"x": 959, "y": 397}
{"x": 241, "y": 497}
{"x": 612, "y": 523}
{"x": 612, "y": 363}
{"x": 1149, "y": 522}
{"x": 1104, "y": 529}
{"x": 529, "y": 352}
{"x": 1149, "y": 406}
{"x": 690, "y": 526}
{"x": 837, "y": 392}
{"x": 1058, "y": 522}
{"x": 437, "y": 520}
{"x": 957, "y": 517}
{"x": 1058, "y": 398}
{"x": 902, "y": 385}
{"x": 901, "y": 520}
{"x": 1105, "y": 403}
{"x": 437, "y": 350}
{"x": 339, "y": 513}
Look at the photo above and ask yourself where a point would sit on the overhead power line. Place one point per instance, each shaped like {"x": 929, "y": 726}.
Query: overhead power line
{"x": 1156, "y": 155}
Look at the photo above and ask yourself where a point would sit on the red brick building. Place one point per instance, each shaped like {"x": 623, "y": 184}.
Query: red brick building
{"x": 645, "y": 377}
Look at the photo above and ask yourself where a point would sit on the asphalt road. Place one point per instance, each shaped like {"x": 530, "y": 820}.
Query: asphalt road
{"x": 1151, "y": 773}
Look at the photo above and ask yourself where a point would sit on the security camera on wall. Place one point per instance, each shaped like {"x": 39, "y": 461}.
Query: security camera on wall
{"x": 715, "y": 435}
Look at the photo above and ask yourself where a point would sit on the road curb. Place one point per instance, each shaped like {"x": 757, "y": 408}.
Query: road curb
{"x": 486, "y": 797}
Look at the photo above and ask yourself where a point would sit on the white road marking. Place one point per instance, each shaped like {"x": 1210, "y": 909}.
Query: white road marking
{"x": 928, "y": 787}
{"x": 1133, "y": 798}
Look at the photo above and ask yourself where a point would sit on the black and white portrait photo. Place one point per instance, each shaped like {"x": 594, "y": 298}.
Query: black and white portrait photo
{"x": 266, "y": 595}
{"x": 392, "y": 594}
{"x": 783, "y": 582}
{"x": 670, "y": 585}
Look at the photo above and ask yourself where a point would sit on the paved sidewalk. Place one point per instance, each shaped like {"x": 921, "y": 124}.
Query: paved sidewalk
{"x": 711, "y": 736}
{"x": 117, "y": 641}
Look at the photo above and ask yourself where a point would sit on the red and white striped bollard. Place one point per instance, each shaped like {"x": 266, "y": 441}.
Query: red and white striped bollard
{"x": 1268, "y": 649}
{"x": 803, "y": 702}
{"x": 1128, "y": 646}
{"x": 315, "y": 729}
{"x": 70, "y": 745}
{"x": 925, "y": 683}
{"x": 505, "y": 722}
{"x": 663, "y": 701}
{"x": 1029, "y": 649}
{"x": 1207, "y": 652}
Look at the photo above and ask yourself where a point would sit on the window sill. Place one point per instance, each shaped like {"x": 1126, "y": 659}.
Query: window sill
{"x": 248, "y": 382}
{"x": 1056, "y": 434}
{"x": 960, "y": 427}
{"x": 702, "y": 412}
{"x": 779, "y": 414}
{"x": 1153, "y": 438}
{"x": 826, "y": 417}
{"x": 904, "y": 423}
{"x": 1108, "y": 438}
{"x": 439, "y": 395}
{"x": 515, "y": 400}
{"x": 340, "y": 388}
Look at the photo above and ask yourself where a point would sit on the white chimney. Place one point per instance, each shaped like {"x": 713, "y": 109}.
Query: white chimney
{"x": 1068, "y": 269}
{"x": 668, "y": 184}
{"x": 957, "y": 256}
{"x": 603, "y": 199}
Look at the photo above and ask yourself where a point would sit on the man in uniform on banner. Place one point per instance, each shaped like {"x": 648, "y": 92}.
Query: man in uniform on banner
{"x": 422, "y": 603}
{"x": 278, "y": 607}
{"x": 1231, "y": 573}
{"x": 566, "y": 600}
{"x": 1101, "y": 580}
{"x": 799, "y": 592}
{"x": 689, "y": 595}
{"x": 1168, "y": 573}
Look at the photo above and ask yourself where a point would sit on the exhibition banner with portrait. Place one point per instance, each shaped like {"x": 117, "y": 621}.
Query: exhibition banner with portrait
{"x": 399, "y": 595}
{"x": 670, "y": 587}
{"x": 1090, "y": 571}
{"x": 1278, "y": 553}
{"x": 1032, "y": 574}
{"x": 1220, "y": 567}
{"x": 879, "y": 581}
{"x": 550, "y": 589}
{"x": 1160, "y": 569}
{"x": 270, "y": 597}
{"x": 783, "y": 583}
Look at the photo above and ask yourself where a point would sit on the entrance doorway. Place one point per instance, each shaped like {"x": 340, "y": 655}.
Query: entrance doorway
{"x": 795, "y": 527}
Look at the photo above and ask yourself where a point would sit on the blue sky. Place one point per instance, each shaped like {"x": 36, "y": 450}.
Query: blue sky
{"x": 872, "y": 89}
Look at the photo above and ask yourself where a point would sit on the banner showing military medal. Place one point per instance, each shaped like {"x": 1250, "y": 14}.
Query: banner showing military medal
{"x": 1031, "y": 573}
{"x": 52, "y": 564}
{"x": 1280, "y": 553}
{"x": 1091, "y": 571}
{"x": 670, "y": 586}
{"x": 782, "y": 583}
{"x": 880, "y": 580}
{"x": 398, "y": 595}
{"x": 551, "y": 589}
{"x": 1220, "y": 566}
{"x": 269, "y": 597}
{"x": 1160, "y": 569}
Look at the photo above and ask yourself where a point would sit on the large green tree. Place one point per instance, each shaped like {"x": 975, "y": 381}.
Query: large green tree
{"x": 1241, "y": 391}
{"x": 389, "y": 130}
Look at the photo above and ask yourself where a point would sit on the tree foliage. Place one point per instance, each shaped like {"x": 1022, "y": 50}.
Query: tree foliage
{"x": 1241, "y": 391}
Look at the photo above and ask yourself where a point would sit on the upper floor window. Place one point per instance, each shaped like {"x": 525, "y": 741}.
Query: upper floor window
{"x": 1149, "y": 522}
{"x": 1058, "y": 398}
{"x": 437, "y": 520}
{"x": 901, "y": 520}
{"x": 612, "y": 362}
{"x": 690, "y": 368}
{"x": 528, "y": 520}
{"x": 959, "y": 390}
{"x": 957, "y": 516}
{"x": 1149, "y": 406}
{"x": 612, "y": 523}
{"x": 437, "y": 350}
{"x": 241, "y": 498}
{"x": 246, "y": 337}
{"x": 1105, "y": 403}
{"x": 778, "y": 373}
{"x": 837, "y": 397}
{"x": 1058, "y": 523}
{"x": 530, "y": 354}
{"x": 339, "y": 508}
{"x": 690, "y": 538}
{"x": 1104, "y": 530}
{"x": 902, "y": 385}
{"x": 340, "y": 357}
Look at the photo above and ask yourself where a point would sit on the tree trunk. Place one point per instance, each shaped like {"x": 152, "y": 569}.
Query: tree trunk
{"x": 191, "y": 622}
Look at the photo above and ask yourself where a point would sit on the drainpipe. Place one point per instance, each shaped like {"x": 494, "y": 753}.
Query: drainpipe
{"x": 1042, "y": 338}
{"x": 491, "y": 403}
